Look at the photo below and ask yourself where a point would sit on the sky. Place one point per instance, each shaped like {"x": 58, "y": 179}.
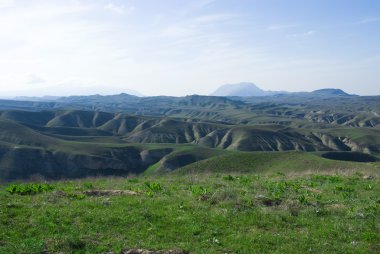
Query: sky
{"x": 177, "y": 47}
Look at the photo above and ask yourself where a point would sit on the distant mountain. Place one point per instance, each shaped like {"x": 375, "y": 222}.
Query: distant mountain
{"x": 244, "y": 89}
{"x": 331, "y": 92}
{"x": 35, "y": 98}
{"x": 133, "y": 92}
{"x": 116, "y": 98}
{"x": 127, "y": 95}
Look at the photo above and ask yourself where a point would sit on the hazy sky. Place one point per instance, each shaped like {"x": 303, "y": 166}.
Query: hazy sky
{"x": 179, "y": 47}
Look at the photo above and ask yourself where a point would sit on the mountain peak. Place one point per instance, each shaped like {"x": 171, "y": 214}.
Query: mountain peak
{"x": 239, "y": 89}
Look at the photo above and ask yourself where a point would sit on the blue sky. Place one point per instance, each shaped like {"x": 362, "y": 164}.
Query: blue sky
{"x": 178, "y": 47}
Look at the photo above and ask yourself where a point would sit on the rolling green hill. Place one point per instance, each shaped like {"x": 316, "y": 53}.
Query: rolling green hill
{"x": 141, "y": 129}
{"x": 283, "y": 162}
{"x": 122, "y": 134}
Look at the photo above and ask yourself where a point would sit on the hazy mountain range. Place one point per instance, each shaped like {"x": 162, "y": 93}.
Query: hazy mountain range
{"x": 246, "y": 89}
{"x": 243, "y": 89}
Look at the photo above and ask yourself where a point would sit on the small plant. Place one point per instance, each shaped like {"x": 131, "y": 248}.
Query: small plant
{"x": 88, "y": 185}
{"x": 295, "y": 185}
{"x": 74, "y": 195}
{"x": 276, "y": 189}
{"x": 347, "y": 191}
{"x": 133, "y": 180}
{"x": 344, "y": 188}
{"x": 317, "y": 196}
{"x": 302, "y": 199}
{"x": 29, "y": 189}
{"x": 327, "y": 178}
{"x": 152, "y": 188}
{"x": 229, "y": 178}
{"x": 198, "y": 190}
{"x": 245, "y": 180}
{"x": 156, "y": 187}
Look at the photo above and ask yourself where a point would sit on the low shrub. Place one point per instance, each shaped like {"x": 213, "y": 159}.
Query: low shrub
{"x": 29, "y": 189}
{"x": 198, "y": 190}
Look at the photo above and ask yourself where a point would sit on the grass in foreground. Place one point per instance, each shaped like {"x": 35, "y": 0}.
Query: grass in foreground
{"x": 202, "y": 213}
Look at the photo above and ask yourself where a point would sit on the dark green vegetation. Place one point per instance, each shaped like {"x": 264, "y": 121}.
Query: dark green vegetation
{"x": 83, "y": 136}
{"x": 350, "y": 156}
{"x": 278, "y": 212}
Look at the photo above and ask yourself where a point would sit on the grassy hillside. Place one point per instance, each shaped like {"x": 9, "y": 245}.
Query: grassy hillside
{"x": 284, "y": 162}
{"x": 78, "y": 143}
{"x": 138, "y": 129}
{"x": 205, "y": 212}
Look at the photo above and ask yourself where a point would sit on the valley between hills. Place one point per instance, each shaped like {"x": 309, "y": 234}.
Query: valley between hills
{"x": 122, "y": 134}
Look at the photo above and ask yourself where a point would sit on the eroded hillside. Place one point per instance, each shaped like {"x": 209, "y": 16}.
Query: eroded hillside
{"x": 122, "y": 134}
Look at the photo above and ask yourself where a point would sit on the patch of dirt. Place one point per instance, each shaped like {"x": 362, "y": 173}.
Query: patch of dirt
{"x": 141, "y": 251}
{"x": 110, "y": 193}
{"x": 268, "y": 201}
{"x": 203, "y": 198}
{"x": 368, "y": 177}
{"x": 312, "y": 190}
{"x": 336, "y": 207}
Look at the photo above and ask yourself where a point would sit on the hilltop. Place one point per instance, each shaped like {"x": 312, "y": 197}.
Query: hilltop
{"x": 331, "y": 92}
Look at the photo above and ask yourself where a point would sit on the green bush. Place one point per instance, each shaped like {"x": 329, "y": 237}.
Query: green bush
{"x": 152, "y": 188}
{"x": 198, "y": 190}
{"x": 29, "y": 189}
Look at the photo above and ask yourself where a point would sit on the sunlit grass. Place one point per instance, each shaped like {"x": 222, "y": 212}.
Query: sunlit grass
{"x": 200, "y": 213}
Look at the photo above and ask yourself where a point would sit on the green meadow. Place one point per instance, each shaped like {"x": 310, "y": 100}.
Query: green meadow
{"x": 265, "y": 207}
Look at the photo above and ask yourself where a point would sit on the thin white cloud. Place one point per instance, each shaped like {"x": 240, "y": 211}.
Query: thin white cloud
{"x": 309, "y": 33}
{"x": 214, "y": 18}
{"x": 195, "y": 25}
{"x": 305, "y": 35}
{"x": 203, "y": 3}
{"x": 368, "y": 20}
{"x": 280, "y": 27}
{"x": 119, "y": 9}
